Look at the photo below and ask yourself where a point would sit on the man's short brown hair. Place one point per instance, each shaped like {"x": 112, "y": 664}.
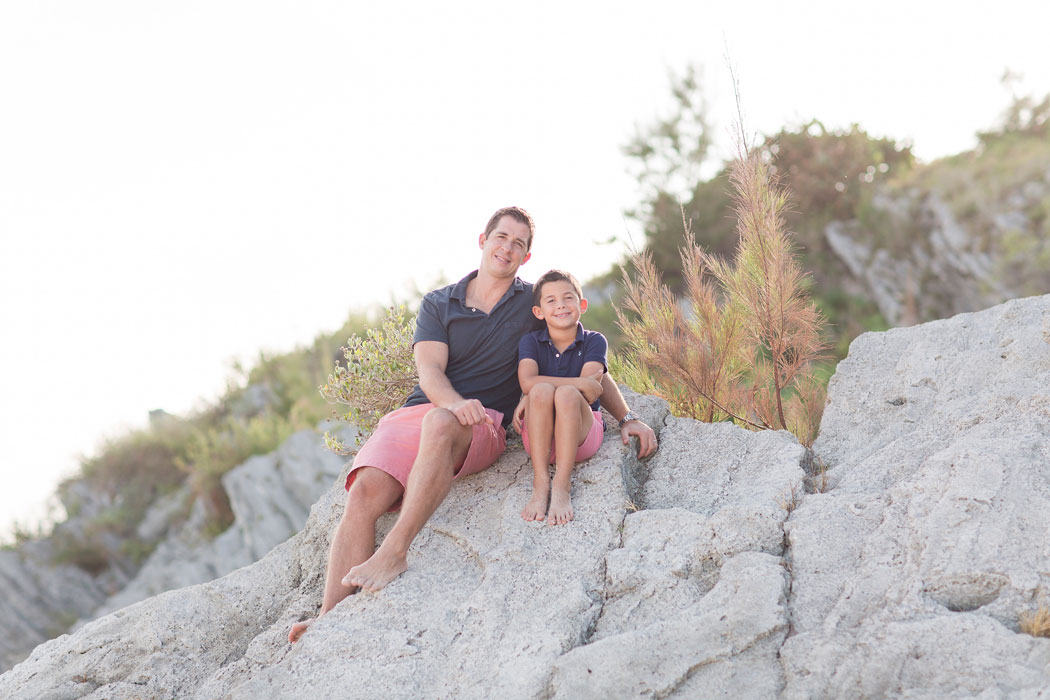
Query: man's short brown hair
{"x": 554, "y": 276}
{"x": 516, "y": 213}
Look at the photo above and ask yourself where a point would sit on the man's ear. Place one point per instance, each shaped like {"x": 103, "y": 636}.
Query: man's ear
{"x": 537, "y": 312}
{"x": 526, "y": 258}
{"x": 583, "y": 305}
{"x": 481, "y": 240}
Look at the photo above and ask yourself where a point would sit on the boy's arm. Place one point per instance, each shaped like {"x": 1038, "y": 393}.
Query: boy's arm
{"x": 431, "y": 360}
{"x": 588, "y": 385}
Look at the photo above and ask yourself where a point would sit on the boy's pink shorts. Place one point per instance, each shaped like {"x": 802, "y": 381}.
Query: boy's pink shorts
{"x": 394, "y": 444}
{"x": 587, "y": 448}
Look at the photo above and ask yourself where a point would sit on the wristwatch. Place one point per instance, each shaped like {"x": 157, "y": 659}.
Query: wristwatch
{"x": 629, "y": 416}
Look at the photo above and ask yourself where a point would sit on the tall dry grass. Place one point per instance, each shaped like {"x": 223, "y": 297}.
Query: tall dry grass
{"x": 744, "y": 342}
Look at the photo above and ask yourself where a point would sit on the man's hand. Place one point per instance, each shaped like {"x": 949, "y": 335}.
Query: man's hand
{"x": 519, "y": 414}
{"x": 469, "y": 412}
{"x": 646, "y": 437}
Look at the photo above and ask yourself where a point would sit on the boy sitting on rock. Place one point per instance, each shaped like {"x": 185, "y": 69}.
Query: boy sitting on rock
{"x": 560, "y": 369}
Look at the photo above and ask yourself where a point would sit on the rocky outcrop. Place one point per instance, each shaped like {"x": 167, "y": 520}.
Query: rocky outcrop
{"x": 492, "y": 605}
{"x": 705, "y": 572}
{"x": 40, "y": 599}
{"x": 909, "y": 574}
{"x": 922, "y": 254}
{"x": 270, "y": 496}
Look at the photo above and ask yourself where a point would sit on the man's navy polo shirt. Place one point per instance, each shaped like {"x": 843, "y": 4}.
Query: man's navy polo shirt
{"x": 482, "y": 348}
{"x": 589, "y": 346}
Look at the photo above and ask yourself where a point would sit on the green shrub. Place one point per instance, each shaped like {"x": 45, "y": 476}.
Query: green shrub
{"x": 214, "y": 450}
{"x": 377, "y": 376}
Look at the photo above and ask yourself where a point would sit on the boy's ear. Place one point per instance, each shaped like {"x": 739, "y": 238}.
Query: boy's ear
{"x": 583, "y": 305}
{"x": 537, "y": 312}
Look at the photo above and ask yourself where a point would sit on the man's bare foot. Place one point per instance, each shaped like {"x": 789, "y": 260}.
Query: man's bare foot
{"x": 298, "y": 628}
{"x": 379, "y": 570}
{"x": 536, "y": 508}
{"x": 561, "y": 507}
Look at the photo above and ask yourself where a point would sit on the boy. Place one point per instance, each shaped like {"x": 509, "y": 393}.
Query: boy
{"x": 560, "y": 369}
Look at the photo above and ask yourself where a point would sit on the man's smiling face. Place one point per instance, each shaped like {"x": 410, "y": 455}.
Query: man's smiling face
{"x": 505, "y": 248}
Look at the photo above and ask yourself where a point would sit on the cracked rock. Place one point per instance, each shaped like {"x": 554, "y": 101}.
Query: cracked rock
{"x": 910, "y": 575}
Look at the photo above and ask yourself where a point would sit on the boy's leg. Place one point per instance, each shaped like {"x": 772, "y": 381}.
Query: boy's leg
{"x": 572, "y": 421}
{"x": 539, "y": 424}
{"x": 354, "y": 540}
{"x": 443, "y": 444}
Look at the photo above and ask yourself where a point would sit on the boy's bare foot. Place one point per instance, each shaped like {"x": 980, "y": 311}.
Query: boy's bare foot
{"x": 561, "y": 507}
{"x": 379, "y": 570}
{"x": 536, "y": 508}
{"x": 298, "y": 628}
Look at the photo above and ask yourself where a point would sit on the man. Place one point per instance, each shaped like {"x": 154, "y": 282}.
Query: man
{"x": 453, "y": 424}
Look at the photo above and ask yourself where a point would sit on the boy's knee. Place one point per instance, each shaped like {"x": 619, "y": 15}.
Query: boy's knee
{"x": 566, "y": 395}
{"x": 542, "y": 393}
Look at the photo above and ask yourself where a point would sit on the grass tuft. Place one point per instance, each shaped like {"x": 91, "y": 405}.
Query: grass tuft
{"x": 1036, "y": 623}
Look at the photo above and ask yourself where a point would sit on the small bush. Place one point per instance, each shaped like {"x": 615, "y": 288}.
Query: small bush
{"x": 378, "y": 374}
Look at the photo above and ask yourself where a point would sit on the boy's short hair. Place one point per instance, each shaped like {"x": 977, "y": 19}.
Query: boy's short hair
{"x": 516, "y": 213}
{"x": 554, "y": 276}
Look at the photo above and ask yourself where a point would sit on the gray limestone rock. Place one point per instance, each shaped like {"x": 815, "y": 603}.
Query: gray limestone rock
{"x": 706, "y": 571}
{"x": 491, "y": 605}
{"x": 694, "y": 602}
{"x": 40, "y": 599}
{"x": 910, "y": 574}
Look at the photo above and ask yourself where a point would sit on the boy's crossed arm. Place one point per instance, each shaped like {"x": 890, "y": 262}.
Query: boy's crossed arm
{"x": 589, "y": 383}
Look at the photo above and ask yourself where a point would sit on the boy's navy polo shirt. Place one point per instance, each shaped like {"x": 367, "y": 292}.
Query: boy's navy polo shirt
{"x": 482, "y": 348}
{"x": 588, "y": 346}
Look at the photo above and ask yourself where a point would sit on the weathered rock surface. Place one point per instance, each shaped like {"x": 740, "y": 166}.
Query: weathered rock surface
{"x": 695, "y": 597}
{"x": 491, "y": 605}
{"x": 705, "y": 572}
{"x": 910, "y": 573}
{"x": 39, "y": 599}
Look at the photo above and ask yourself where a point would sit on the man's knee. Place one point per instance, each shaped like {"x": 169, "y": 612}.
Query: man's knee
{"x": 542, "y": 393}
{"x": 371, "y": 494}
{"x": 441, "y": 425}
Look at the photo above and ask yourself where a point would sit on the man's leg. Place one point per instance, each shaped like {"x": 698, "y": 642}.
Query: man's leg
{"x": 572, "y": 421}
{"x": 354, "y": 540}
{"x": 539, "y": 419}
{"x": 443, "y": 444}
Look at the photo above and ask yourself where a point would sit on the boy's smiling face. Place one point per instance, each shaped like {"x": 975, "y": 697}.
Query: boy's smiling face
{"x": 560, "y": 305}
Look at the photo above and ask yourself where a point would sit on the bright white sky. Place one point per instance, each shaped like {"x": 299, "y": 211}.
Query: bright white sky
{"x": 185, "y": 183}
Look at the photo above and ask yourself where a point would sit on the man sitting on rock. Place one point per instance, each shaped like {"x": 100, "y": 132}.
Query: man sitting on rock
{"x": 453, "y": 424}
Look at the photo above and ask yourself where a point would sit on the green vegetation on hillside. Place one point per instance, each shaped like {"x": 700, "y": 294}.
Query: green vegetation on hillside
{"x": 260, "y": 408}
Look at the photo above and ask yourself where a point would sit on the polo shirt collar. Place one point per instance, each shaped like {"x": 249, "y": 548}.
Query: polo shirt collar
{"x": 460, "y": 290}
{"x": 545, "y": 335}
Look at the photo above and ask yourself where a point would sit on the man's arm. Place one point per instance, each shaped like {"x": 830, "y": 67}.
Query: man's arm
{"x": 431, "y": 360}
{"x": 613, "y": 402}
